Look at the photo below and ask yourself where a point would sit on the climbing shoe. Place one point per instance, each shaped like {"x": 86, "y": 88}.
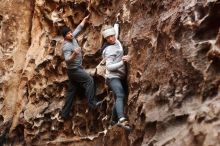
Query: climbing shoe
{"x": 122, "y": 122}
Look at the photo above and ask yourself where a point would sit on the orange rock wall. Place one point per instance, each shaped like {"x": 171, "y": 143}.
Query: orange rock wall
{"x": 173, "y": 75}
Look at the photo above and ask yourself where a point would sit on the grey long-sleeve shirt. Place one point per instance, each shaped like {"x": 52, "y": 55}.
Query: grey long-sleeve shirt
{"x": 69, "y": 46}
{"x": 115, "y": 67}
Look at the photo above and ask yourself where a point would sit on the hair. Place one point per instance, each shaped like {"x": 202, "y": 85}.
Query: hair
{"x": 64, "y": 31}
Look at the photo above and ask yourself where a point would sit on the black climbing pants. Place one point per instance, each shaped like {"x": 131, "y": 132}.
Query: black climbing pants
{"x": 78, "y": 77}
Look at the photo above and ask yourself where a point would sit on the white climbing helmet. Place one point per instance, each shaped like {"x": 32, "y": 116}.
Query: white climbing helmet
{"x": 108, "y": 30}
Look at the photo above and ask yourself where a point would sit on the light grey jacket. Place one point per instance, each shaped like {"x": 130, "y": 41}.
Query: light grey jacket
{"x": 115, "y": 67}
{"x": 68, "y": 47}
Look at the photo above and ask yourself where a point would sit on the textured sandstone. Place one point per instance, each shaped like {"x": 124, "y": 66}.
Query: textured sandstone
{"x": 173, "y": 75}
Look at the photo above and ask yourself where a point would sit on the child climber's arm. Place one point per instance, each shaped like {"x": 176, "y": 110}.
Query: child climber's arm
{"x": 116, "y": 27}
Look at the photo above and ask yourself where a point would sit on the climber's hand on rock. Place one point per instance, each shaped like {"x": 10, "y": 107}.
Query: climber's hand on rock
{"x": 86, "y": 18}
{"x": 126, "y": 58}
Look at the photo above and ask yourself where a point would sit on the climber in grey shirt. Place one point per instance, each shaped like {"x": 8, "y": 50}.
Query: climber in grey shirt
{"x": 77, "y": 75}
{"x": 113, "y": 54}
{"x": 71, "y": 49}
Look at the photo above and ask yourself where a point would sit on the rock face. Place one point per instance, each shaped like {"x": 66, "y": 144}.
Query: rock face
{"x": 173, "y": 76}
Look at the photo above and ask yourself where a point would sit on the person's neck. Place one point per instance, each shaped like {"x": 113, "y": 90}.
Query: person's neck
{"x": 68, "y": 40}
{"x": 111, "y": 43}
